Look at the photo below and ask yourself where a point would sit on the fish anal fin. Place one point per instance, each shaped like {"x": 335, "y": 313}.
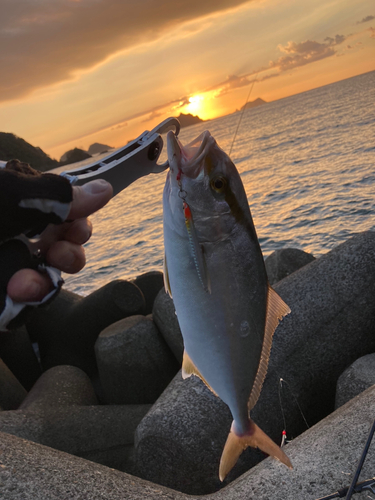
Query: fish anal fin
{"x": 255, "y": 438}
{"x": 276, "y": 310}
{"x": 167, "y": 285}
{"x": 189, "y": 369}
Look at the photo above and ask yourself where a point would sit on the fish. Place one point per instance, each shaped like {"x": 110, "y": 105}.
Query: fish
{"x": 215, "y": 273}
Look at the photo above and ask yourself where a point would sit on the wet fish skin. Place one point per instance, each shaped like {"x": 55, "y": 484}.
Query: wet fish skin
{"x": 215, "y": 272}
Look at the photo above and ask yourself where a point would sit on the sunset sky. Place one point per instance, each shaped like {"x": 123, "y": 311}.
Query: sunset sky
{"x": 74, "y": 72}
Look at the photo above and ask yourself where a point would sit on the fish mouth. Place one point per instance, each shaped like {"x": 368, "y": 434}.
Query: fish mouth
{"x": 188, "y": 159}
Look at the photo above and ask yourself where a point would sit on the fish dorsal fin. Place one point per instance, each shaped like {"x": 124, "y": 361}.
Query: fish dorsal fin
{"x": 276, "y": 310}
{"x": 189, "y": 369}
{"x": 167, "y": 285}
{"x": 196, "y": 250}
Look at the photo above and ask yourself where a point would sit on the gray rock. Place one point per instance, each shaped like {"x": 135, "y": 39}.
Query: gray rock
{"x": 285, "y": 261}
{"x": 150, "y": 284}
{"x": 324, "y": 460}
{"x": 61, "y": 386}
{"x": 66, "y": 329}
{"x": 165, "y": 318}
{"x": 12, "y": 393}
{"x": 18, "y": 354}
{"x": 356, "y": 378}
{"x": 312, "y": 346}
{"x": 135, "y": 364}
{"x": 103, "y": 434}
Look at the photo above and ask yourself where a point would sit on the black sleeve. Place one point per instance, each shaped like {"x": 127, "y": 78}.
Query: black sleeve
{"x": 29, "y": 200}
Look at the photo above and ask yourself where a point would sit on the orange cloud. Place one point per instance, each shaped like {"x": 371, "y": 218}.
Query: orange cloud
{"x": 45, "y": 42}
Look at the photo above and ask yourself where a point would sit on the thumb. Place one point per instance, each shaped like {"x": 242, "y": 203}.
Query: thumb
{"x": 89, "y": 198}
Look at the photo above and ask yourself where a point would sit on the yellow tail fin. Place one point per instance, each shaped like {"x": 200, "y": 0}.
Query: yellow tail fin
{"x": 235, "y": 445}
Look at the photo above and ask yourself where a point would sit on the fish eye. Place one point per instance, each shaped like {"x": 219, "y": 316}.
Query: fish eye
{"x": 219, "y": 184}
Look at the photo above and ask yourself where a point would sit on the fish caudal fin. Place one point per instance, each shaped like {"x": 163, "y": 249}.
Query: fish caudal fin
{"x": 256, "y": 438}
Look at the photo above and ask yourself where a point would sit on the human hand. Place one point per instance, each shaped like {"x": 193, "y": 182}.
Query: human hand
{"x": 61, "y": 245}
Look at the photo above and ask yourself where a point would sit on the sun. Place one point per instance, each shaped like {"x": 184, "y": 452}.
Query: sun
{"x": 201, "y": 105}
{"x": 196, "y": 105}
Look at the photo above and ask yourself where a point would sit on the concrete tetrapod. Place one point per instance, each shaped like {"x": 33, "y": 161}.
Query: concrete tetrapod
{"x": 61, "y": 411}
{"x": 135, "y": 363}
{"x": 356, "y": 378}
{"x": 18, "y": 354}
{"x": 285, "y": 261}
{"x": 67, "y": 328}
{"x": 332, "y": 323}
{"x": 12, "y": 393}
{"x": 324, "y": 459}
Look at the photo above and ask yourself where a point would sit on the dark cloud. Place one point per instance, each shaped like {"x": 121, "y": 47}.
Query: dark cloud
{"x": 231, "y": 83}
{"x": 154, "y": 114}
{"x": 43, "y": 42}
{"x": 335, "y": 41}
{"x": 119, "y": 126}
{"x": 366, "y": 19}
{"x": 302, "y": 53}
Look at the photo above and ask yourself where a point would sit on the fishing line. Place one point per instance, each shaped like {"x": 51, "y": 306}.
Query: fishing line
{"x": 284, "y": 439}
{"x": 296, "y": 401}
{"x": 243, "y": 110}
{"x": 281, "y": 405}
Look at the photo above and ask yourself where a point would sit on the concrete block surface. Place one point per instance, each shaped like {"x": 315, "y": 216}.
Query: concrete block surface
{"x": 165, "y": 318}
{"x": 135, "y": 363}
{"x": 61, "y": 386}
{"x": 12, "y": 393}
{"x": 283, "y": 262}
{"x": 356, "y": 378}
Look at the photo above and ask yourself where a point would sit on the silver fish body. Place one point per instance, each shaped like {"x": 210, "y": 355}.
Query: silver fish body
{"x": 215, "y": 272}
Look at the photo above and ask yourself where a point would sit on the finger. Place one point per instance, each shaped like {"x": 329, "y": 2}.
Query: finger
{"x": 28, "y": 285}
{"x": 78, "y": 231}
{"x": 66, "y": 256}
{"x": 89, "y": 198}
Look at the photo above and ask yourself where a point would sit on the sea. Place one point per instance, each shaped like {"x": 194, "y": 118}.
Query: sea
{"x": 308, "y": 166}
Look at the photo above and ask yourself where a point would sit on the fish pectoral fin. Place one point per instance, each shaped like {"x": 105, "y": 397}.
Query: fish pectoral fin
{"x": 197, "y": 250}
{"x": 255, "y": 438}
{"x": 276, "y": 310}
{"x": 167, "y": 285}
{"x": 189, "y": 369}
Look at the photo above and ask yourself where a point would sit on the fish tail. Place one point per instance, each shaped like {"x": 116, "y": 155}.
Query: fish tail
{"x": 255, "y": 438}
